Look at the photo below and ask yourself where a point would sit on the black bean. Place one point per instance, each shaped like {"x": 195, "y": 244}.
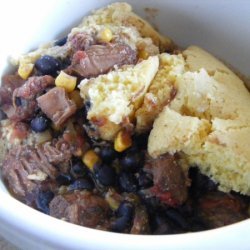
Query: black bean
{"x": 200, "y": 183}
{"x": 125, "y": 214}
{"x": 42, "y": 201}
{"x": 133, "y": 149}
{"x": 160, "y": 225}
{"x": 152, "y": 203}
{"x": 187, "y": 209}
{"x": 85, "y": 110}
{"x": 47, "y": 65}
{"x": 64, "y": 179}
{"x": 83, "y": 183}
{"x": 132, "y": 162}
{"x": 145, "y": 180}
{"x": 20, "y": 102}
{"x": 141, "y": 141}
{"x": 87, "y": 105}
{"x": 107, "y": 154}
{"x": 125, "y": 209}
{"x": 78, "y": 169}
{"x": 97, "y": 167}
{"x": 65, "y": 63}
{"x": 120, "y": 224}
{"x": 39, "y": 124}
{"x": 3, "y": 116}
{"x": 61, "y": 41}
{"x": 106, "y": 175}
{"x": 128, "y": 182}
{"x": 177, "y": 218}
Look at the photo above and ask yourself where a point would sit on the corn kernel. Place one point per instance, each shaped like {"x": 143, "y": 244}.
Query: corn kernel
{"x": 56, "y": 128}
{"x": 113, "y": 203}
{"x": 122, "y": 141}
{"x": 63, "y": 189}
{"x": 143, "y": 54}
{"x": 43, "y": 137}
{"x": 90, "y": 158}
{"x": 105, "y": 35}
{"x": 76, "y": 98}
{"x": 66, "y": 81}
{"x": 25, "y": 70}
{"x": 78, "y": 152}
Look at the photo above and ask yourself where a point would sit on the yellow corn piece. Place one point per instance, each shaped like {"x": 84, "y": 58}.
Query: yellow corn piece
{"x": 112, "y": 200}
{"x": 63, "y": 189}
{"x": 56, "y": 128}
{"x": 143, "y": 54}
{"x": 66, "y": 81}
{"x": 78, "y": 152}
{"x": 90, "y": 158}
{"x": 105, "y": 35}
{"x": 25, "y": 70}
{"x": 76, "y": 98}
{"x": 43, "y": 137}
{"x": 122, "y": 141}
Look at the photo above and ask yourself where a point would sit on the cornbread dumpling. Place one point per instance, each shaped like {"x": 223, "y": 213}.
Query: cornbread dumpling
{"x": 208, "y": 122}
{"x": 161, "y": 91}
{"x": 225, "y": 156}
{"x": 197, "y": 58}
{"x": 179, "y": 133}
{"x": 116, "y": 96}
{"x": 203, "y": 96}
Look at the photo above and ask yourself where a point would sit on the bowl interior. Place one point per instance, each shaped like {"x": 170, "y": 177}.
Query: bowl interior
{"x": 218, "y": 26}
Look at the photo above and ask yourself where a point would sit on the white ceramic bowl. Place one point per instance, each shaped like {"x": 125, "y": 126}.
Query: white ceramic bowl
{"x": 221, "y": 27}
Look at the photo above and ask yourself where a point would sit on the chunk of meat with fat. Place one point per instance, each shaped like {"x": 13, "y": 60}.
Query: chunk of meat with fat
{"x": 33, "y": 86}
{"x": 25, "y": 167}
{"x": 82, "y": 208}
{"x": 99, "y": 59}
{"x": 218, "y": 209}
{"x": 170, "y": 184}
{"x": 80, "y": 41}
{"x": 56, "y": 105}
{"x": 56, "y": 153}
{"x": 24, "y": 98}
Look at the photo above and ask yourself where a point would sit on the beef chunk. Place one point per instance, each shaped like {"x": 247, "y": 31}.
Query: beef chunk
{"x": 141, "y": 221}
{"x": 24, "y": 98}
{"x": 25, "y": 167}
{"x": 33, "y": 86}
{"x": 19, "y": 130}
{"x": 218, "y": 209}
{"x": 56, "y": 105}
{"x": 82, "y": 208}
{"x": 9, "y": 84}
{"x": 80, "y": 41}
{"x": 99, "y": 59}
{"x": 56, "y": 153}
{"x": 169, "y": 180}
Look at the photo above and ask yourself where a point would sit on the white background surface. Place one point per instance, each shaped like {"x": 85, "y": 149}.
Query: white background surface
{"x": 220, "y": 26}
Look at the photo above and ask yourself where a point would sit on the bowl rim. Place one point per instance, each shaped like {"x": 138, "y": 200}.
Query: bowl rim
{"x": 47, "y": 230}
{"x": 16, "y": 216}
